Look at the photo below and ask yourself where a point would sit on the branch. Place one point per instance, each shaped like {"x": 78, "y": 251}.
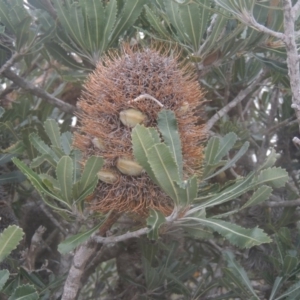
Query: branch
{"x": 290, "y": 203}
{"x": 249, "y": 19}
{"x": 292, "y": 55}
{"x": 10, "y": 62}
{"x": 65, "y": 107}
{"x": 241, "y": 95}
{"x": 295, "y": 9}
{"x": 83, "y": 255}
{"x": 120, "y": 238}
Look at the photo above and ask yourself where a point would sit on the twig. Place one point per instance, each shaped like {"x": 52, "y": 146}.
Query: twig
{"x": 249, "y": 19}
{"x": 35, "y": 247}
{"x": 10, "y": 62}
{"x": 290, "y": 203}
{"x": 120, "y": 238}
{"x": 146, "y": 96}
{"x": 39, "y": 92}
{"x": 296, "y": 7}
{"x": 292, "y": 55}
{"x": 241, "y": 95}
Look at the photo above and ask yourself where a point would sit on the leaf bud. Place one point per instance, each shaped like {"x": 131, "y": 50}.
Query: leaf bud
{"x": 130, "y": 117}
{"x": 98, "y": 143}
{"x": 129, "y": 167}
{"x": 107, "y": 176}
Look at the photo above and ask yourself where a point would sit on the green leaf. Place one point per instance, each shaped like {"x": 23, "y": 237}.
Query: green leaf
{"x": 154, "y": 221}
{"x": 239, "y": 272}
{"x": 64, "y": 174}
{"x": 292, "y": 293}
{"x": 24, "y": 292}
{"x": 142, "y": 140}
{"x": 51, "y": 183}
{"x": 226, "y": 144}
{"x": 270, "y": 160}
{"x": 232, "y": 192}
{"x": 41, "y": 146}
{"x": 276, "y": 177}
{"x": 12, "y": 177}
{"x": 52, "y": 129}
{"x": 9, "y": 240}
{"x": 165, "y": 170}
{"x": 236, "y": 235}
{"x": 167, "y": 125}
{"x": 36, "y": 162}
{"x": 231, "y": 162}
{"x": 91, "y": 168}
{"x": 259, "y": 196}
{"x": 156, "y": 23}
{"x": 111, "y": 10}
{"x": 36, "y": 181}
{"x": 188, "y": 191}
{"x": 4, "y": 275}
{"x": 195, "y": 20}
{"x": 212, "y": 150}
{"x": 75, "y": 240}
{"x": 66, "y": 142}
{"x": 276, "y": 287}
{"x": 2, "y": 111}
{"x": 289, "y": 264}
{"x": 130, "y": 12}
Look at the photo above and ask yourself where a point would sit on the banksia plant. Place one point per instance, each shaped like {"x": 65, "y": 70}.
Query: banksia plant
{"x": 125, "y": 90}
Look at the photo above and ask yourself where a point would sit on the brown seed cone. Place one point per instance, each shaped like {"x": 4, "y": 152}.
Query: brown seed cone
{"x": 117, "y": 80}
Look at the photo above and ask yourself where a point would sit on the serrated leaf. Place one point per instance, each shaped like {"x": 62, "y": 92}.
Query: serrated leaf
{"x": 4, "y": 275}
{"x": 292, "y": 293}
{"x": 91, "y": 168}
{"x": 53, "y": 131}
{"x": 156, "y": 23}
{"x": 165, "y": 170}
{"x": 5, "y": 158}
{"x": 231, "y": 192}
{"x": 88, "y": 191}
{"x": 75, "y": 240}
{"x": 12, "y": 177}
{"x": 36, "y": 181}
{"x": 276, "y": 287}
{"x": 172, "y": 11}
{"x": 64, "y": 174}
{"x": 194, "y": 20}
{"x": 231, "y": 162}
{"x": 239, "y": 272}
{"x": 41, "y": 146}
{"x": 2, "y": 111}
{"x": 62, "y": 56}
{"x": 36, "y": 162}
{"x": 111, "y": 10}
{"x": 189, "y": 193}
{"x": 259, "y": 196}
{"x": 66, "y": 142}
{"x": 9, "y": 240}
{"x": 226, "y": 144}
{"x": 130, "y": 12}
{"x": 154, "y": 221}
{"x": 236, "y": 235}
{"x": 270, "y": 160}
{"x": 211, "y": 150}
{"x": 276, "y": 177}
{"x": 51, "y": 183}
{"x": 24, "y": 292}
{"x": 142, "y": 140}
{"x": 289, "y": 264}
{"x": 17, "y": 148}
{"x": 167, "y": 125}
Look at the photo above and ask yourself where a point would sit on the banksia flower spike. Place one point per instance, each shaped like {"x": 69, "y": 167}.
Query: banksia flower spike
{"x": 129, "y": 89}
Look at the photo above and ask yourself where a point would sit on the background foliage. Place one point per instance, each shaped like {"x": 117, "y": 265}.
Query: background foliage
{"x": 234, "y": 235}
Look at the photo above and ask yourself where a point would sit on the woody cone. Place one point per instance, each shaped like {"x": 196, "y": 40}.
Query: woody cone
{"x": 126, "y": 89}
